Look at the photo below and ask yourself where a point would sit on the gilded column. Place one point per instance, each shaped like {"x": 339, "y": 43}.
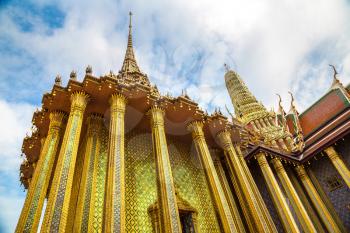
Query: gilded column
{"x": 31, "y": 212}
{"x": 321, "y": 208}
{"x": 243, "y": 204}
{"x": 228, "y": 194}
{"x": 93, "y": 144}
{"x": 339, "y": 164}
{"x": 277, "y": 196}
{"x": 257, "y": 214}
{"x": 56, "y": 213}
{"x": 298, "y": 206}
{"x": 229, "y": 224}
{"x": 169, "y": 215}
{"x": 255, "y": 189}
{"x": 115, "y": 186}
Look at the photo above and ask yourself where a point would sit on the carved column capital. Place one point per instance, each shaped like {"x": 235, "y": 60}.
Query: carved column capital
{"x": 57, "y": 118}
{"x": 79, "y": 101}
{"x": 196, "y": 128}
{"x": 301, "y": 172}
{"x": 118, "y": 102}
{"x": 262, "y": 161}
{"x": 277, "y": 165}
{"x": 224, "y": 138}
{"x": 332, "y": 154}
{"x": 156, "y": 114}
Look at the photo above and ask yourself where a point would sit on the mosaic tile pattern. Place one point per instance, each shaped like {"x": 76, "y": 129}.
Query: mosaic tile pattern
{"x": 340, "y": 198}
{"x": 64, "y": 176}
{"x": 100, "y": 183}
{"x": 140, "y": 179}
{"x": 40, "y": 183}
{"x": 86, "y": 208}
{"x": 190, "y": 183}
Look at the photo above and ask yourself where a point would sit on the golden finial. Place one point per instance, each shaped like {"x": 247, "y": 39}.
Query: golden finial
{"x": 73, "y": 75}
{"x": 130, "y": 15}
{"x": 227, "y": 67}
{"x": 88, "y": 69}
{"x": 58, "y": 80}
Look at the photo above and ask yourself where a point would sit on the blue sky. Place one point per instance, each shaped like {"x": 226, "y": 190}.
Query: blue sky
{"x": 276, "y": 46}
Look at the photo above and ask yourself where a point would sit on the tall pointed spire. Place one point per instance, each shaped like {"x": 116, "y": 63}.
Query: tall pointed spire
{"x": 247, "y": 108}
{"x": 129, "y": 64}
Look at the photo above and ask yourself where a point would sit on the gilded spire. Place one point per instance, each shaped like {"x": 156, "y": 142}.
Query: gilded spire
{"x": 129, "y": 64}
{"x": 246, "y": 106}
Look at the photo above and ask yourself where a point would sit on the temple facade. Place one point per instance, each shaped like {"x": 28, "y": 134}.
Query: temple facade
{"x": 111, "y": 154}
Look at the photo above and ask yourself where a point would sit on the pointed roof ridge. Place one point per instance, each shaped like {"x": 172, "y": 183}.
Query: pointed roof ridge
{"x": 130, "y": 64}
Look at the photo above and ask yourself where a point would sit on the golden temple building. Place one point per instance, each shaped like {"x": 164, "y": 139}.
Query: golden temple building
{"x": 111, "y": 154}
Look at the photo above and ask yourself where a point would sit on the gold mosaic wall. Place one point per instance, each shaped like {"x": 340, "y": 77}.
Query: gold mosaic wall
{"x": 191, "y": 185}
{"x": 140, "y": 180}
{"x": 141, "y": 189}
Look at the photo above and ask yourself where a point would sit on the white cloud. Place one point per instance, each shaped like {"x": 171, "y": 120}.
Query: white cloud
{"x": 266, "y": 41}
{"x": 15, "y": 122}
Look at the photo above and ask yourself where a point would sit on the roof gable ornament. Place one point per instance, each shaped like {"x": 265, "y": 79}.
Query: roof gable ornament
{"x": 299, "y": 137}
{"x": 336, "y": 83}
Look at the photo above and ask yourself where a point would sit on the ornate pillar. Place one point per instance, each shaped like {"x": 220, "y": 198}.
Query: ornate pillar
{"x": 320, "y": 207}
{"x": 228, "y": 194}
{"x": 56, "y": 213}
{"x": 31, "y": 212}
{"x": 243, "y": 204}
{"x": 93, "y": 144}
{"x": 298, "y": 206}
{"x": 115, "y": 186}
{"x": 339, "y": 164}
{"x": 256, "y": 191}
{"x": 229, "y": 224}
{"x": 260, "y": 222}
{"x": 276, "y": 194}
{"x": 169, "y": 215}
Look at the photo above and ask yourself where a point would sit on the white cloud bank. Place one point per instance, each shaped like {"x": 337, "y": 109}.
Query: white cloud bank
{"x": 15, "y": 122}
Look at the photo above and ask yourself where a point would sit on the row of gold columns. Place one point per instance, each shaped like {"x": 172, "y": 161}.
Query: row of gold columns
{"x": 31, "y": 211}
{"x": 254, "y": 209}
{"x": 255, "y": 189}
{"x": 261, "y": 220}
{"x": 292, "y": 195}
{"x": 229, "y": 223}
{"x": 277, "y": 197}
{"x": 55, "y": 218}
{"x": 319, "y": 205}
